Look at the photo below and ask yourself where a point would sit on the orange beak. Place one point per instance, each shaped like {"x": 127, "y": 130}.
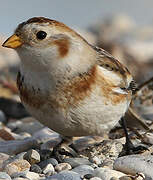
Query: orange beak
{"x": 13, "y": 42}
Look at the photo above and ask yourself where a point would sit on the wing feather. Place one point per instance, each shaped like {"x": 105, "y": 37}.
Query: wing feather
{"x": 113, "y": 69}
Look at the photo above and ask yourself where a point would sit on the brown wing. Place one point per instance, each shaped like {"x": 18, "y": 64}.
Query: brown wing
{"x": 108, "y": 62}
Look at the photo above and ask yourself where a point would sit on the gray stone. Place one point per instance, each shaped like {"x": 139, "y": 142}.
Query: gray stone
{"x": 63, "y": 166}
{"x": 138, "y": 176}
{"x": 106, "y": 173}
{"x": 45, "y": 154}
{"x": 94, "y": 165}
{"x": 2, "y": 117}
{"x": 50, "y": 144}
{"x": 83, "y": 170}
{"x": 88, "y": 176}
{"x": 20, "y": 178}
{"x": 95, "y": 178}
{"x": 3, "y": 157}
{"x": 96, "y": 160}
{"x": 74, "y": 162}
{"x": 32, "y": 176}
{"x": 35, "y": 168}
{"x": 19, "y": 156}
{"x": 148, "y": 138}
{"x": 28, "y": 124}
{"x": 4, "y": 175}
{"x": 115, "y": 178}
{"x": 65, "y": 175}
{"x": 14, "y": 125}
{"x": 16, "y": 146}
{"x": 47, "y": 134}
{"x": 32, "y": 156}
{"x": 53, "y": 161}
{"x": 27, "y": 174}
{"x": 43, "y": 164}
{"x": 135, "y": 163}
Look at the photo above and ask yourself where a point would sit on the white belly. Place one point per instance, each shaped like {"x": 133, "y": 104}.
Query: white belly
{"x": 90, "y": 117}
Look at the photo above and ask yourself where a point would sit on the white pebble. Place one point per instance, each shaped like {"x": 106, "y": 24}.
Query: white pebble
{"x": 49, "y": 169}
{"x": 62, "y": 166}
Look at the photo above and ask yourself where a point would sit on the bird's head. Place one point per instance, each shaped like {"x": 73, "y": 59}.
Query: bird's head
{"x": 44, "y": 42}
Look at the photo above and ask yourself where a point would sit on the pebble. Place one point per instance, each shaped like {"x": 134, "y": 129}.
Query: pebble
{"x": 96, "y": 160}
{"x": 95, "y": 178}
{"x": 135, "y": 163}
{"x": 14, "y": 125}
{"x": 50, "y": 144}
{"x": 82, "y": 143}
{"x": 29, "y": 125}
{"x": 20, "y": 178}
{"x": 65, "y": 175}
{"x": 46, "y": 134}
{"x": 53, "y": 161}
{"x": 17, "y": 166}
{"x": 63, "y": 166}
{"x": 32, "y": 176}
{"x": 94, "y": 165}
{"x": 106, "y": 173}
{"x": 6, "y": 134}
{"x": 4, "y": 175}
{"x": 16, "y": 146}
{"x": 19, "y": 156}
{"x": 3, "y": 157}
{"x": 27, "y": 174}
{"x": 45, "y": 154}
{"x": 32, "y": 156}
{"x": 13, "y": 158}
{"x": 83, "y": 170}
{"x": 49, "y": 170}
{"x": 88, "y": 176}
{"x": 23, "y": 135}
{"x": 74, "y": 162}
{"x": 2, "y": 117}
{"x": 108, "y": 162}
{"x": 115, "y": 149}
{"x": 35, "y": 168}
{"x": 115, "y": 178}
{"x": 138, "y": 176}
{"x": 44, "y": 163}
{"x": 148, "y": 138}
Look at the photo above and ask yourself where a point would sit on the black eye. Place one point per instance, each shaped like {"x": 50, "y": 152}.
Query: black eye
{"x": 41, "y": 35}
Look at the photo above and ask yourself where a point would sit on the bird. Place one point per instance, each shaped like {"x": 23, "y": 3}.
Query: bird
{"x": 69, "y": 85}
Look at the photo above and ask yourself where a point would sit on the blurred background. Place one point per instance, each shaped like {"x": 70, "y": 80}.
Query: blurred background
{"x": 74, "y": 13}
{"x": 123, "y": 28}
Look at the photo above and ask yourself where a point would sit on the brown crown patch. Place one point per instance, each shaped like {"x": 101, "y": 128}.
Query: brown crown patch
{"x": 59, "y": 25}
{"x": 41, "y": 20}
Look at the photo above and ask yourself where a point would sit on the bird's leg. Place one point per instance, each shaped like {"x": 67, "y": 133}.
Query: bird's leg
{"x": 128, "y": 144}
{"x": 129, "y": 147}
{"x": 64, "y": 149}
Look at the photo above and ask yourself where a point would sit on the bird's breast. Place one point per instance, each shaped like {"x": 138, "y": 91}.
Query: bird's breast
{"x": 29, "y": 95}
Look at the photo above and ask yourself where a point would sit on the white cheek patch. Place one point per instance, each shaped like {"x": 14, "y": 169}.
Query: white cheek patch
{"x": 119, "y": 90}
{"x": 115, "y": 78}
